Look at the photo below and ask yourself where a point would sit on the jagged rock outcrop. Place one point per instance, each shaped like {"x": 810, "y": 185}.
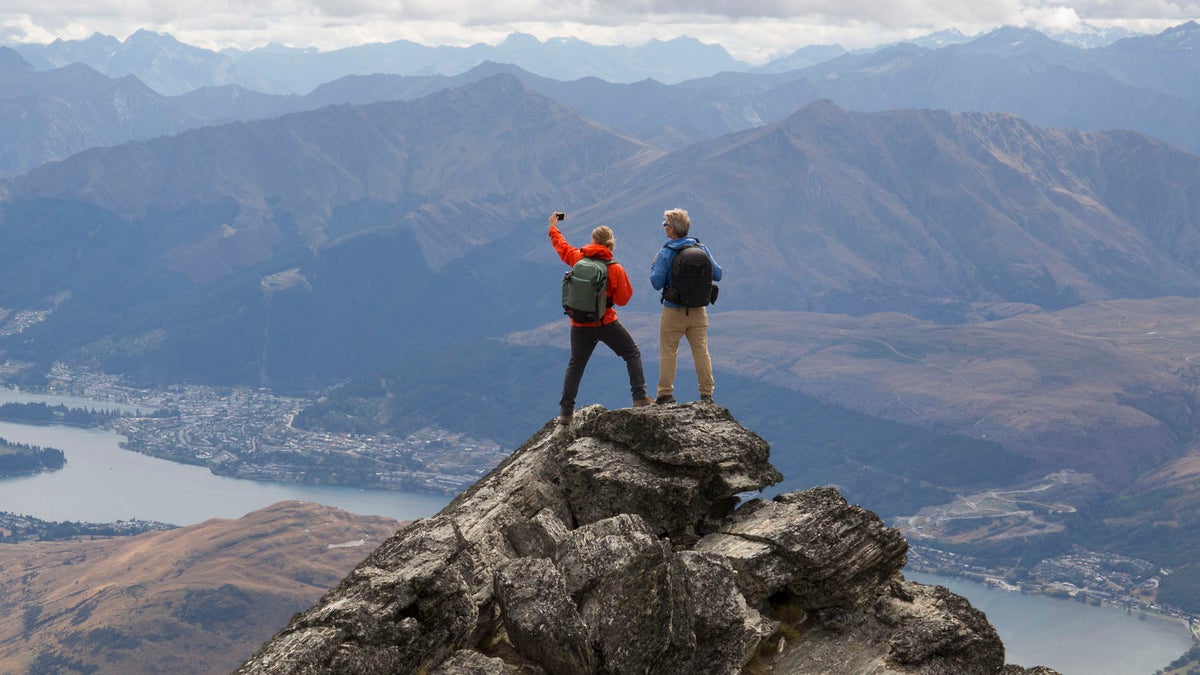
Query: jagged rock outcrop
{"x": 618, "y": 545}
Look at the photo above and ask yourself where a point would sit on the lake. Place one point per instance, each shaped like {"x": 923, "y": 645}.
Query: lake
{"x": 1072, "y": 637}
{"x": 103, "y": 483}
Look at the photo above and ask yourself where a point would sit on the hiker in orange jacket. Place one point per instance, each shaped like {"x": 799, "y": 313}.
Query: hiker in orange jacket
{"x": 608, "y": 329}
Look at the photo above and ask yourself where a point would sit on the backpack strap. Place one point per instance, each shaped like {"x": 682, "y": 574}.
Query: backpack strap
{"x": 608, "y": 301}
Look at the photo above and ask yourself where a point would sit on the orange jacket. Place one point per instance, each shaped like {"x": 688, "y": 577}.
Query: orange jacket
{"x": 618, "y": 281}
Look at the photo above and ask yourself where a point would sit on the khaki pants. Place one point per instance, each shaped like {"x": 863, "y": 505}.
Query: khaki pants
{"x": 677, "y": 323}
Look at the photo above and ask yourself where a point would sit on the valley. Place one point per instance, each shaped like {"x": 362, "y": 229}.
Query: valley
{"x": 963, "y": 288}
{"x": 1073, "y": 365}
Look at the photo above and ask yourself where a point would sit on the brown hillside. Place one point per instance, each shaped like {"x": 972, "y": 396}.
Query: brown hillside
{"x": 198, "y": 599}
{"x": 1106, "y": 388}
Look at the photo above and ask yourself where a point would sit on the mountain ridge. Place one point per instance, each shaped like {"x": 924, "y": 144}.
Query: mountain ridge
{"x": 674, "y": 60}
{"x": 316, "y": 141}
{"x": 50, "y": 115}
{"x": 938, "y": 180}
{"x": 1004, "y": 211}
{"x": 1147, "y": 84}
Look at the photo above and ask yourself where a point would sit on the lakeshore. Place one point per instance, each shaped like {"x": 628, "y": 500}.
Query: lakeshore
{"x": 249, "y": 434}
{"x": 1074, "y": 638}
{"x": 104, "y": 483}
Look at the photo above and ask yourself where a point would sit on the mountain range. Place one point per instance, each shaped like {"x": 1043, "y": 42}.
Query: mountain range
{"x": 158, "y": 59}
{"x": 924, "y": 212}
{"x": 172, "y": 67}
{"x": 1146, "y": 84}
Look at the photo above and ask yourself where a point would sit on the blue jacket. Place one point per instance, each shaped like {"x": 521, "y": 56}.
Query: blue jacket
{"x": 660, "y": 271}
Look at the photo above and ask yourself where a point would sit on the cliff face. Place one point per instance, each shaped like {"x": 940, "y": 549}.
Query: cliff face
{"x": 618, "y": 545}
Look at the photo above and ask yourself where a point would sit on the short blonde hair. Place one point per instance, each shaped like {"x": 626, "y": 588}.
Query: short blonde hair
{"x": 679, "y": 221}
{"x": 603, "y": 235}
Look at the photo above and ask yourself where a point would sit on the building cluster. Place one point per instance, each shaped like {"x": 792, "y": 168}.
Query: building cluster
{"x": 248, "y": 433}
{"x": 1087, "y": 576}
{"x": 16, "y": 528}
{"x": 1105, "y": 576}
{"x": 12, "y": 322}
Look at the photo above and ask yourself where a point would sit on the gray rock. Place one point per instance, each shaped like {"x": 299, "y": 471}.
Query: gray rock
{"x": 465, "y": 662}
{"x": 604, "y": 547}
{"x": 613, "y": 546}
{"x": 727, "y": 629}
{"x": 814, "y": 544}
{"x": 679, "y": 467}
{"x": 912, "y": 629}
{"x": 541, "y": 622}
{"x": 640, "y": 615}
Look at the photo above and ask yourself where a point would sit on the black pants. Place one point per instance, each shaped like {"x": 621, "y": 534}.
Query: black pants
{"x": 583, "y": 343}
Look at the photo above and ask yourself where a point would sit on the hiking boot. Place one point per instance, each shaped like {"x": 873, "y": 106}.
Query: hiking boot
{"x": 643, "y": 401}
{"x": 565, "y": 418}
{"x": 706, "y": 398}
{"x": 664, "y": 400}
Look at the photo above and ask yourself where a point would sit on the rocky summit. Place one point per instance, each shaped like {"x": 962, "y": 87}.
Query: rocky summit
{"x": 623, "y": 544}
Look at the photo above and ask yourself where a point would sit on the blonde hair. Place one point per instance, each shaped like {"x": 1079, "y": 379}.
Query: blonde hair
{"x": 603, "y": 235}
{"x": 679, "y": 221}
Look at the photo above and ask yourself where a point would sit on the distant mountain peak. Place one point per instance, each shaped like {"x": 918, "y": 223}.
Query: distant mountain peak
{"x": 520, "y": 40}
{"x": 1087, "y": 36}
{"x": 682, "y": 40}
{"x": 1014, "y": 34}
{"x": 146, "y": 35}
{"x": 1185, "y": 35}
{"x": 942, "y": 38}
{"x": 488, "y": 68}
{"x": 11, "y": 59}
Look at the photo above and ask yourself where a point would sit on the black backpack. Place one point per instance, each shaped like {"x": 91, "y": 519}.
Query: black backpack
{"x": 585, "y": 290}
{"x": 690, "y": 283}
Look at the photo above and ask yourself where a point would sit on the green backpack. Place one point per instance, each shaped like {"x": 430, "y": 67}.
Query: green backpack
{"x": 585, "y": 290}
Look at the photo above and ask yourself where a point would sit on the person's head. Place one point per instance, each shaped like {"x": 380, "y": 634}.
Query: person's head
{"x": 676, "y": 223}
{"x": 603, "y": 235}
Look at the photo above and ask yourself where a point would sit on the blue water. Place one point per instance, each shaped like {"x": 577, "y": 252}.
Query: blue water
{"x": 104, "y": 483}
{"x": 1072, "y": 637}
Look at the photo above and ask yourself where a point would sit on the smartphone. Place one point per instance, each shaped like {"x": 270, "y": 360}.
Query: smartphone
{"x": 560, "y": 215}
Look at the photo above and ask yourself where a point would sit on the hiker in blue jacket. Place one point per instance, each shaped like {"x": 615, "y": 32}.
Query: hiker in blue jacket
{"x": 678, "y": 321}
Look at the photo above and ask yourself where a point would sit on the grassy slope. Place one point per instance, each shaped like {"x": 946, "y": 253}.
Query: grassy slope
{"x": 198, "y": 599}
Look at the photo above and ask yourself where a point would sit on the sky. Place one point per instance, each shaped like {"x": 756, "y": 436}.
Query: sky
{"x": 751, "y": 30}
